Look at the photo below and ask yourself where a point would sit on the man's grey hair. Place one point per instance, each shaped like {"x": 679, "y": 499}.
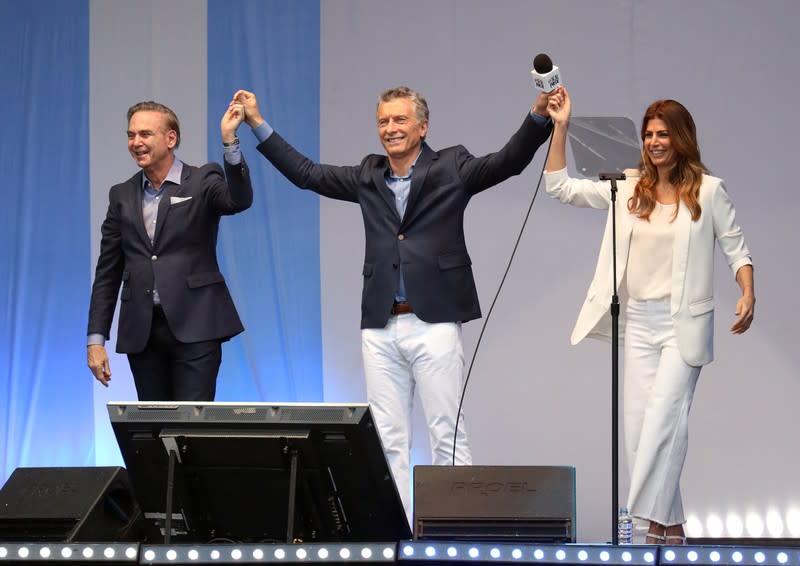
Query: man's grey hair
{"x": 172, "y": 118}
{"x": 420, "y": 105}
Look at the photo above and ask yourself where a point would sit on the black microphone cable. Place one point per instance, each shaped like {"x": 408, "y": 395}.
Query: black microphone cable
{"x": 496, "y": 295}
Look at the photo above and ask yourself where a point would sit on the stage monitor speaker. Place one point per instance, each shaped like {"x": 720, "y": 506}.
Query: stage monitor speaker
{"x": 69, "y": 505}
{"x": 495, "y": 503}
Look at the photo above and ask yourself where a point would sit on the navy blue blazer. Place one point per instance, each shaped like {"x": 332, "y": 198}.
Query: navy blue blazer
{"x": 181, "y": 262}
{"x": 428, "y": 242}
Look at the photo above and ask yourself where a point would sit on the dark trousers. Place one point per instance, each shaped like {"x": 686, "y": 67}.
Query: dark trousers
{"x": 169, "y": 370}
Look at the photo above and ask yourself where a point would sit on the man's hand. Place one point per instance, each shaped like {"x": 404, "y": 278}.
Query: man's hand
{"x": 233, "y": 116}
{"x": 540, "y": 106}
{"x": 252, "y": 115}
{"x": 97, "y": 360}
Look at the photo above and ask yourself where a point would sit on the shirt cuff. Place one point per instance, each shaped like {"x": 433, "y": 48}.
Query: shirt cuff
{"x": 233, "y": 154}
{"x": 263, "y": 131}
{"x": 540, "y": 120}
{"x": 95, "y": 340}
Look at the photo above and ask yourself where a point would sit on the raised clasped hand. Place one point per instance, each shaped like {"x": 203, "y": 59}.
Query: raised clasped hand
{"x": 559, "y": 105}
{"x": 250, "y": 104}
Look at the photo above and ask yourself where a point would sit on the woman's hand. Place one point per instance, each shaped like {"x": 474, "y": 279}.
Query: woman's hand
{"x": 745, "y": 308}
{"x": 559, "y": 105}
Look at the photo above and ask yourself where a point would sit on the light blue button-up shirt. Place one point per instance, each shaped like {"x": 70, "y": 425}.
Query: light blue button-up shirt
{"x": 151, "y": 197}
{"x": 400, "y": 187}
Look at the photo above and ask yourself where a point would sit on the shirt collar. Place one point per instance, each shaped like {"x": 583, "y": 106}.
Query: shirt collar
{"x": 173, "y": 176}
{"x": 390, "y": 174}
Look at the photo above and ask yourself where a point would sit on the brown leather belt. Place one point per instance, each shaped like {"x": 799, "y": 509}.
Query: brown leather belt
{"x": 401, "y": 308}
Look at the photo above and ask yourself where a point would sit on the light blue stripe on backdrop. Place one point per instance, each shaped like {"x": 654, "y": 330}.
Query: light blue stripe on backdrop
{"x": 270, "y": 253}
{"x": 46, "y": 400}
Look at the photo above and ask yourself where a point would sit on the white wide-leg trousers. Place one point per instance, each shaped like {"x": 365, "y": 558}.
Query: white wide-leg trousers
{"x": 657, "y": 395}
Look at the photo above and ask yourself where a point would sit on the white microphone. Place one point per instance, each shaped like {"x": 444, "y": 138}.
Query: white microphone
{"x": 546, "y": 76}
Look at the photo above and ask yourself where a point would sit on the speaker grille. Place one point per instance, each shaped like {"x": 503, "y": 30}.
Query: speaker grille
{"x": 317, "y": 414}
{"x": 164, "y": 415}
{"x": 496, "y": 530}
{"x": 46, "y": 530}
{"x": 226, "y": 414}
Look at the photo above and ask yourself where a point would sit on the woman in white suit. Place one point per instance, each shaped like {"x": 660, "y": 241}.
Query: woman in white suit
{"x": 670, "y": 213}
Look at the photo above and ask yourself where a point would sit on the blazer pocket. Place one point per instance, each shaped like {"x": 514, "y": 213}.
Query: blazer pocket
{"x": 454, "y": 260}
{"x": 180, "y": 204}
{"x": 196, "y": 280}
{"x": 701, "y": 307}
{"x": 126, "y": 290}
{"x": 367, "y": 271}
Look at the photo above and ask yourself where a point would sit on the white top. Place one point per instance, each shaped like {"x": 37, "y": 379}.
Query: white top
{"x": 650, "y": 259}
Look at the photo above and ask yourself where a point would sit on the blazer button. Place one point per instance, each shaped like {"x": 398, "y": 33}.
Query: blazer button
{"x": 147, "y": 291}
{"x": 154, "y": 257}
{"x": 401, "y": 237}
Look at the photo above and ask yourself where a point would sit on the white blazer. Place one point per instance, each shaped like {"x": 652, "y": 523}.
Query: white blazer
{"x": 692, "y": 296}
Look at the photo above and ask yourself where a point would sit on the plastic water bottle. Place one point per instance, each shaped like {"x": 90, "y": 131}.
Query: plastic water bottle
{"x": 624, "y": 527}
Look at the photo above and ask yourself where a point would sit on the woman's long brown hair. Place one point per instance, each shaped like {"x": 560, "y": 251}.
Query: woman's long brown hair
{"x": 686, "y": 175}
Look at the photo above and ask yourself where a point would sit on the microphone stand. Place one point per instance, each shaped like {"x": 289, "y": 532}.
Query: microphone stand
{"x": 613, "y": 178}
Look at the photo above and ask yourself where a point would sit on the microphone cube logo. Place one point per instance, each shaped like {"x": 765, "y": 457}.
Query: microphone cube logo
{"x": 546, "y": 82}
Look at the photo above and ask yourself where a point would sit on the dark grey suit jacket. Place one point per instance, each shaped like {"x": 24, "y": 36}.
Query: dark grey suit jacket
{"x": 429, "y": 240}
{"x": 181, "y": 262}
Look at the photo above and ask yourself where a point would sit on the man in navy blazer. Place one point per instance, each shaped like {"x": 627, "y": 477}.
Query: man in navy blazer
{"x": 159, "y": 242}
{"x": 418, "y": 282}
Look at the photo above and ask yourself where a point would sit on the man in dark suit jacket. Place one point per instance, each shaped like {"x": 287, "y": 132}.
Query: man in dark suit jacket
{"x": 418, "y": 282}
{"x": 159, "y": 241}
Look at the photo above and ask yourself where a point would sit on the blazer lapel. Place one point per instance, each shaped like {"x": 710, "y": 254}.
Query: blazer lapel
{"x": 170, "y": 190}
{"x": 625, "y": 221}
{"x": 680, "y": 255}
{"x": 136, "y": 196}
{"x": 379, "y": 179}
{"x": 163, "y": 209}
{"x": 421, "y": 169}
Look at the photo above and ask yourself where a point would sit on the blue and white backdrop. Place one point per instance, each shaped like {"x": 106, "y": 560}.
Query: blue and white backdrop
{"x": 71, "y": 68}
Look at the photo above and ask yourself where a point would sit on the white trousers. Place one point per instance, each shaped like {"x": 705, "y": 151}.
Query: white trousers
{"x": 658, "y": 391}
{"x": 405, "y": 354}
